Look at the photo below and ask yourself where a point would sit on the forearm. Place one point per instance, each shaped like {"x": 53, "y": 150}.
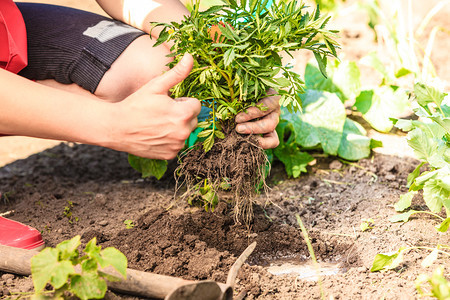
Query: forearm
{"x": 139, "y": 13}
{"x": 30, "y": 109}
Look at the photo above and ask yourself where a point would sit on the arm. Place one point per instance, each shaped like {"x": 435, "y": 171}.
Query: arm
{"x": 139, "y": 13}
{"x": 148, "y": 123}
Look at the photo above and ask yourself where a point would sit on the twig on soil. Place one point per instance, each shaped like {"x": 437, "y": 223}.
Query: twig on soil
{"x": 231, "y": 279}
{"x": 241, "y": 295}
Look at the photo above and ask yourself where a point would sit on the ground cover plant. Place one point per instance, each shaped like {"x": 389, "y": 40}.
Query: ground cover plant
{"x": 429, "y": 137}
{"x": 56, "y": 266}
{"x": 237, "y": 49}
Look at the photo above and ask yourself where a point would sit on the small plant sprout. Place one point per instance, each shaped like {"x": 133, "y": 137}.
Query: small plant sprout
{"x": 129, "y": 224}
{"x": 367, "y": 224}
{"x": 68, "y": 212}
{"x": 393, "y": 260}
{"x": 72, "y": 274}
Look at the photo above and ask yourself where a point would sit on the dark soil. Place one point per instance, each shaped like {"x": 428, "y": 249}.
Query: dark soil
{"x": 174, "y": 239}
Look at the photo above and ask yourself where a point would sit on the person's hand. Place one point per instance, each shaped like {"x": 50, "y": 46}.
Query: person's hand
{"x": 256, "y": 121}
{"x": 149, "y": 123}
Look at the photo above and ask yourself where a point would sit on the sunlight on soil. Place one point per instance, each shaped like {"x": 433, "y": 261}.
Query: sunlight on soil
{"x": 304, "y": 270}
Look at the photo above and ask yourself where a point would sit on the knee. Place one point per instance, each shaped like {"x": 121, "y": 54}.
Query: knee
{"x": 137, "y": 65}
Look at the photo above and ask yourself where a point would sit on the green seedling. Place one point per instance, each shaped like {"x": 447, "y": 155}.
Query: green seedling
{"x": 366, "y": 224}
{"x": 391, "y": 261}
{"x": 68, "y": 212}
{"x": 435, "y": 285}
{"x": 129, "y": 224}
{"x": 72, "y": 274}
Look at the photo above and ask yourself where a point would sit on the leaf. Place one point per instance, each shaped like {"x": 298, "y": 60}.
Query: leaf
{"x": 402, "y": 72}
{"x": 435, "y": 195}
{"x": 88, "y": 286}
{"x": 148, "y": 167}
{"x": 343, "y": 79}
{"x": 379, "y": 105}
{"x": 321, "y": 121}
{"x": 322, "y": 62}
{"x": 443, "y": 227}
{"x": 295, "y": 161}
{"x": 426, "y": 94}
{"x": 405, "y": 201}
{"x": 228, "y": 57}
{"x": 354, "y": 144}
{"x": 112, "y": 257}
{"x": 413, "y": 175}
{"x": 404, "y": 217}
{"x": 68, "y": 249}
{"x": 46, "y": 268}
{"x": 430, "y": 259}
{"x": 372, "y": 60}
{"x": 386, "y": 261}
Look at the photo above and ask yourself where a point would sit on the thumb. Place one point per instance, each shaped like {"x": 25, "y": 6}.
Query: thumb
{"x": 163, "y": 83}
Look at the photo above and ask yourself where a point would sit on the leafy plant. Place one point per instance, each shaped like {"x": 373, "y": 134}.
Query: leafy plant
{"x": 237, "y": 48}
{"x": 429, "y": 138}
{"x": 439, "y": 286}
{"x": 57, "y": 267}
{"x": 323, "y": 124}
{"x": 393, "y": 26}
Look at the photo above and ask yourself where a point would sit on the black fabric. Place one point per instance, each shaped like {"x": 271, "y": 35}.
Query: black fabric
{"x": 71, "y": 45}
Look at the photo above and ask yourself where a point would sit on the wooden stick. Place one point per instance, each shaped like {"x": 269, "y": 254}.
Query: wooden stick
{"x": 231, "y": 279}
{"x": 144, "y": 284}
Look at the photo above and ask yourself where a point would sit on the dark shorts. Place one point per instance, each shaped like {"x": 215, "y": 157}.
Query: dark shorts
{"x": 71, "y": 45}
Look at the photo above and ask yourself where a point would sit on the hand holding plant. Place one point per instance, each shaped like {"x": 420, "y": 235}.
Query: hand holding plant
{"x": 238, "y": 75}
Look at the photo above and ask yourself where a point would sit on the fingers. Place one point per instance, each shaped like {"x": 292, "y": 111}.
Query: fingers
{"x": 264, "y": 125}
{"x": 269, "y": 140}
{"x": 163, "y": 83}
{"x": 271, "y": 104}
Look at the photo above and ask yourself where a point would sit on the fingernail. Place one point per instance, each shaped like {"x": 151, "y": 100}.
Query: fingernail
{"x": 240, "y": 128}
{"x": 239, "y": 119}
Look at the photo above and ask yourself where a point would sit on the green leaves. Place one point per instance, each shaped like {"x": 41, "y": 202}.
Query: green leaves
{"x": 148, "y": 167}
{"x": 439, "y": 286}
{"x": 322, "y": 123}
{"x": 429, "y": 140}
{"x": 55, "y": 266}
{"x": 46, "y": 267}
{"x": 387, "y": 261}
{"x": 237, "y": 51}
{"x": 379, "y": 105}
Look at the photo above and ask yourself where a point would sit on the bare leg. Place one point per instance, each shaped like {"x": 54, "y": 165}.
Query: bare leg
{"x": 138, "y": 64}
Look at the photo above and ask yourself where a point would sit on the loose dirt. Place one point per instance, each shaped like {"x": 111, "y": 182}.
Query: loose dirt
{"x": 170, "y": 237}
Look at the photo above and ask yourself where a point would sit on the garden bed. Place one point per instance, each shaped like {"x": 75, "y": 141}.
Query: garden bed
{"x": 172, "y": 238}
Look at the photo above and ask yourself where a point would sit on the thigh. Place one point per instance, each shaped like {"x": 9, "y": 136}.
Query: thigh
{"x": 137, "y": 65}
{"x": 72, "y": 46}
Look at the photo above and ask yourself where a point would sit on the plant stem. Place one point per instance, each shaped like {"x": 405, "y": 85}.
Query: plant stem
{"x": 311, "y": 252}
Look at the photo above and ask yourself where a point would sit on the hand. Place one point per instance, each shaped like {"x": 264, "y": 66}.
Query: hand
{"x": 256, "y": 121}
{"x": 149, "y": 123}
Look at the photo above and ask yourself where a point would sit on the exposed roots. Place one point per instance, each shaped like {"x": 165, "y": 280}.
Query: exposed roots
{"x": 236, "y": 165}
